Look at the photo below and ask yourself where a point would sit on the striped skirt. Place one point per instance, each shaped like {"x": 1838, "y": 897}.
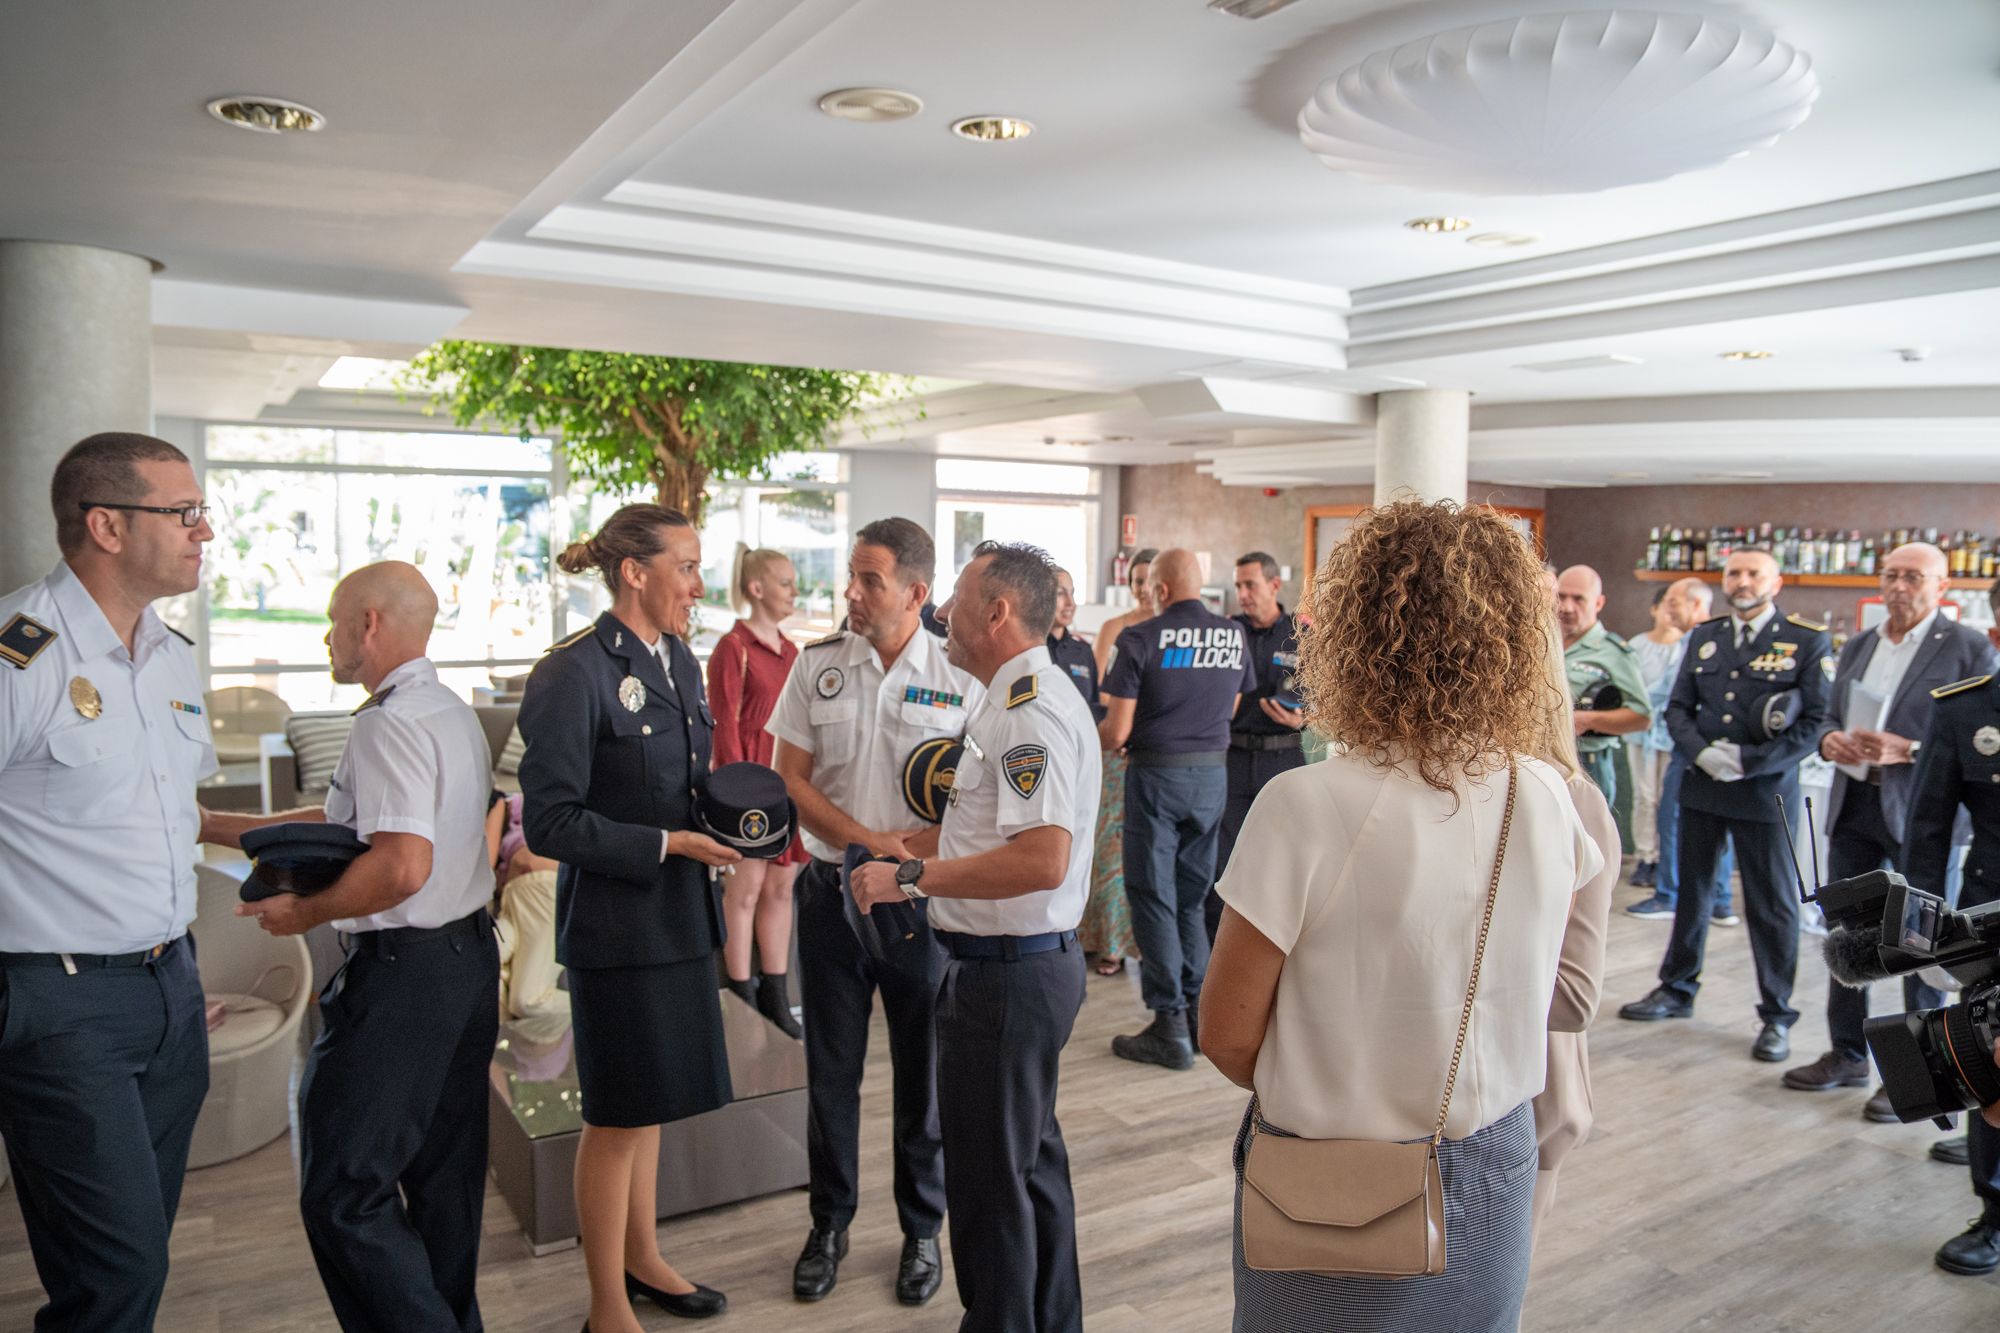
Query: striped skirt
{"x": 1489, "y": 1191}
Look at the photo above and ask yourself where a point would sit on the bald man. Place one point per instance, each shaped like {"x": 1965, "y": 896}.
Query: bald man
{"x": 1594, "y": 658}
{"x": 1880, "y": 710}
{"x": 392, "y": 1105}
{"x": 1172, "y": 688}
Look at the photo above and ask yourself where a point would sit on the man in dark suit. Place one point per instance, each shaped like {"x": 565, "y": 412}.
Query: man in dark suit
{"x": 1874, "y": 731}
{"x": 1748, "y": 704}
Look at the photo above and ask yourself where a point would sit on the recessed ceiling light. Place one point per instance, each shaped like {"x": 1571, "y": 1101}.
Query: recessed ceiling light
{"x": 266, "y": 115}
{"x": 1439, "y": 224}
{"x": 1503, "y": 240}
{"x": 992, "y": 129}
{"x": 1748, "y": 356}
{"x": 870, "y": 106}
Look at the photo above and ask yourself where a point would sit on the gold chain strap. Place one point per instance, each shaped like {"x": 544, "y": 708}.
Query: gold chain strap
{"x": 1478, "y": 954}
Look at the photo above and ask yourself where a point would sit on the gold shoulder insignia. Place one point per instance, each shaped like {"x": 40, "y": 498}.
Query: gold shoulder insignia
{"x": 831, "y": 639}
{"x": 372, "y": 701}
{"x": 577, "y": 637}
{"x": 1959, "y": 687}
{"x": 1803, "y": 623}
{"x": 1021, "y": 691}
{"x": 22, "y": 641}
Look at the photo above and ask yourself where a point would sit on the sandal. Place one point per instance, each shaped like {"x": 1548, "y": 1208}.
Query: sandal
{"x": 1110, "y": 966}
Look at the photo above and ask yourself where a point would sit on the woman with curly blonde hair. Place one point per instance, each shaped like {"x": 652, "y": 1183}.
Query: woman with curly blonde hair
{"x": 1355, "y": 902}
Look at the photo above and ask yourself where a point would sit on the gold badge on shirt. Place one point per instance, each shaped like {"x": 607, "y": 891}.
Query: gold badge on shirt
{"x": 84, "y": 696}
{"x": 1707, "y": 650}
{"x": 632, "y": 693}
{"x": 1986, "y": 740}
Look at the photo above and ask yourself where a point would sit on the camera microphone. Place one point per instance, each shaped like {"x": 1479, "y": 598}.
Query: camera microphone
{"x": 1854, "y": 956}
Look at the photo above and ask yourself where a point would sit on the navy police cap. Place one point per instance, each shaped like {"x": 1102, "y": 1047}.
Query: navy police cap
{"x": 1778, "y": 713}
{"x": 745, "y": 806}
{"x": 928, "y": 773}
{"x": 888, "y": 931}
{"x": 300, "y": 858}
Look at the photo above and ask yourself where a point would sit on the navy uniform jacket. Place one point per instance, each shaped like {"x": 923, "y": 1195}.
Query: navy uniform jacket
{"x": 1274, "y": 657}
{"x": 1719, "y": 695}
{"x": 1958, "y": 765}
{"x": 600, "y": 781}
{"x": 1074, "y": 658}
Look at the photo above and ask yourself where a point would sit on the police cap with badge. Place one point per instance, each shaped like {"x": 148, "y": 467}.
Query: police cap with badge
{"x": 301, "y": 857}
{"x": 745, "y": 806}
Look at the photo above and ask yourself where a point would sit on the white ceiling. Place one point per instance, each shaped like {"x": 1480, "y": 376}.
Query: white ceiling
{"x": 1162, "y": 260}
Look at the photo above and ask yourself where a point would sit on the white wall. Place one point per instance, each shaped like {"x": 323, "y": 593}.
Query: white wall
{"x": 891, "y": 484}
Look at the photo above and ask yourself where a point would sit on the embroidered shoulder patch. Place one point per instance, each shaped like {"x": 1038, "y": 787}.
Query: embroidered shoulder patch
{"x": 1021, "y": 691}
{"x": 22, "y": 640}
{"x": 1025, "y": 765}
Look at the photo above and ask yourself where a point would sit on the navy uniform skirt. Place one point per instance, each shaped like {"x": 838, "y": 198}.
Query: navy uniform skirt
{"x": 649, "y": 1046}
{"x": 1489, "y": 1193}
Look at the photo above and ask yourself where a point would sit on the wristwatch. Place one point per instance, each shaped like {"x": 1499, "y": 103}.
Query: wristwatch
{"x": 907, "y": 875}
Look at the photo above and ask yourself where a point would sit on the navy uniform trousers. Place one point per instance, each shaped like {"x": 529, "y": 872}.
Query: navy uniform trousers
{"x": 1249, "y": 770}
{"x": 1172, "y": 814}
{"x": 1770, "y": 907}
{"x": 102, "y": 1074}
{"x": 1002, "y": 1025}
{"x": 1861, "y": 842}
{"x": 837, "y": 982}
{"x": 392, "y": 1127}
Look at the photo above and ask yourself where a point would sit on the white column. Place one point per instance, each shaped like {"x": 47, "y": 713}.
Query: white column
{"x": 1420, "y": 444}
{"x": 76, "y": 358}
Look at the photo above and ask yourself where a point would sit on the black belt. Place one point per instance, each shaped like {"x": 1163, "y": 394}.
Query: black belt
{"x": 1263, "y": 740}
{"x": 1155, "y": 759}
{"x": 476, "y": 925}
{"x": 77, "y": 962}
{"x": 1007, "y": 948}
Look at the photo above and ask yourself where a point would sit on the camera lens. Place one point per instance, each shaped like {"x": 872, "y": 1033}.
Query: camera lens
{"x": 1938, "y": 1061}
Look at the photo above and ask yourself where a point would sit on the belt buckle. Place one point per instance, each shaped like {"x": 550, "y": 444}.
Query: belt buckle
{"x": 155, "y": 952}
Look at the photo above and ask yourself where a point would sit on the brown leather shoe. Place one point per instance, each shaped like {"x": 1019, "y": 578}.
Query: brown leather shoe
{"x": 1830, "y": 1071}
{"x": 1880, "y": 1110}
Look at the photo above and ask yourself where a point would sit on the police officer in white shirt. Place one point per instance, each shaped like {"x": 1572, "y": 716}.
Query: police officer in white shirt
{"x": 392, "y": 1104}
{"x": 1007, "y": 875}
{"x": 103, "y": 1047}
{"x": 855, "y": 712}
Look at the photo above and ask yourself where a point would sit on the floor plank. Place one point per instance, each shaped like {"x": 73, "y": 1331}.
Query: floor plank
{"x": 1709, "y": 1198}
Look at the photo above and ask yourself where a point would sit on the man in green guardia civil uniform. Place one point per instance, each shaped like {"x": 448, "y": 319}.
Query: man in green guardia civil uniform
{"x": 1594, "y": 657}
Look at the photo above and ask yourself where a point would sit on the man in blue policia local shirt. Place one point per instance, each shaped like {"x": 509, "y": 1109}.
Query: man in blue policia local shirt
{"x": 1169, "y": 696}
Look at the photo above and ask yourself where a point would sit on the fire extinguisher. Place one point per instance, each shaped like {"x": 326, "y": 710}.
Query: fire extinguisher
{"x": 1121, "y": 565}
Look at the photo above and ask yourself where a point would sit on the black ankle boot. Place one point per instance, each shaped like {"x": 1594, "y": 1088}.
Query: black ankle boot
{"x": 776, "y": 1005}
{"x": 746, "y": 990}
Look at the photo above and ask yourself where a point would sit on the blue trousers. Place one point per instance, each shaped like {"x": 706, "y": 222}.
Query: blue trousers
{"x": 1172, "y": 819}
{"x": 1668, "y": 880}
{"x": 102, "y": 1074}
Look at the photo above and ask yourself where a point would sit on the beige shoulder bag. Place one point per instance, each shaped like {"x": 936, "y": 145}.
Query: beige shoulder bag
{"x": 1356, "y": 1207}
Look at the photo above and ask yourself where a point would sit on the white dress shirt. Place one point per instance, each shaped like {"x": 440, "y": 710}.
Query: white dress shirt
{"x": 859, "y": 723}
{"x": 1745, "y": 631}
{"x": 98, "y": 820}
{"x": 1890, "y": 662}
{"x": 417, "y": 762}
{"x": 1031, "y": 765}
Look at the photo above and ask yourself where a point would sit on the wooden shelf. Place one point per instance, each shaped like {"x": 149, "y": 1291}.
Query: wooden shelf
{"x": 1792, "y": 580}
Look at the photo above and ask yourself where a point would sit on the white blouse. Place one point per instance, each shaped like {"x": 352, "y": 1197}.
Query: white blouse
{"x": 1373, "y": 884}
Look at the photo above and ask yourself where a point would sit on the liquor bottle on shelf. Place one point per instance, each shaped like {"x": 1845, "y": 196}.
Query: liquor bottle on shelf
{"x": 1698, "y": 552}
{"x": 1869, "y": 557}
{"x": 1836, "y": 559}
{"x": 1808, "y": 562}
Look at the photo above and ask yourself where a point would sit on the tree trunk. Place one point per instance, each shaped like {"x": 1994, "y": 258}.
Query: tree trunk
{"x": 681, "y": 488}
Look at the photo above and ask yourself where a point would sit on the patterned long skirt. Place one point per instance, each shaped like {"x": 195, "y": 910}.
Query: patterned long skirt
{"x": 1107, "y": 918}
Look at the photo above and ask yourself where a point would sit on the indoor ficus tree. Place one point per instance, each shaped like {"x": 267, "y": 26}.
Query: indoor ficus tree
{"x": 628, "y": 421}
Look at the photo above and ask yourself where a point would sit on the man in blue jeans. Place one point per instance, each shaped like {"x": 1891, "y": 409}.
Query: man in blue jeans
{"x": 1172, "y": 688}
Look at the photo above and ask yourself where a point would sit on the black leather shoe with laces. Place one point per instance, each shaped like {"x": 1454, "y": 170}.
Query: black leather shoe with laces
{"x": 920, "y": 1272}
{"x": 818, "y": 1267}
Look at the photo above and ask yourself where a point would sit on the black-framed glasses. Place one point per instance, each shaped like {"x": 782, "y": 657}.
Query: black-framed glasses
{"x": 192, "y": 516}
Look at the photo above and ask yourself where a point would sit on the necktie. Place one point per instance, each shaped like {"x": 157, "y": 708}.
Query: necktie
{"x": 1742, "y": 635}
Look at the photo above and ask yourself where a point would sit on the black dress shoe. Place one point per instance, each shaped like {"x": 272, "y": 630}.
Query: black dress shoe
{"x": 701, "y": 1303}
{"x": 1952, "y": 1151}
{"x": 818, "y": 1267}
{"x": 1772, "y": 1045}
{"x": 1975, "y": 1253}
{"x": 1879, "y": 1109}
{"x": 776, "y": 1005}
{"x": 1662, "y": 1003}
{"x": 920, "y": 1272}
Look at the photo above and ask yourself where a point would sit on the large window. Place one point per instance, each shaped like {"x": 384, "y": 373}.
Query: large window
{"x": 296, "y": 509}
{"x": 802, "y": 511}
{"x": 1053, "y": 505}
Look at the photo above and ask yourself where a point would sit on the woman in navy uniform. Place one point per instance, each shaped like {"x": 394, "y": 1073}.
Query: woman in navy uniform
{"x": 617, "y": 733}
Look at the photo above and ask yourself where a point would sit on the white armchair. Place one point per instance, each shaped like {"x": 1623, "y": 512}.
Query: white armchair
{"x": 265, "y": 982}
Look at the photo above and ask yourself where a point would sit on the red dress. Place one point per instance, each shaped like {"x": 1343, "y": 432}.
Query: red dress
{"x": 745, "y": 677}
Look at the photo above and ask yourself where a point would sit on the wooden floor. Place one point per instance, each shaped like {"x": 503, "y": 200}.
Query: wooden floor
{"x": 1710, "y": 1198}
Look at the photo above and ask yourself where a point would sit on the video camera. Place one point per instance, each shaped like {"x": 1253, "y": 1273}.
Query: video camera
{"x": 1933, "y": 1061}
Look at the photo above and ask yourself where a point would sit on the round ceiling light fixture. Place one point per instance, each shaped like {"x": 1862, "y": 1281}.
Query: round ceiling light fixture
{"x": 870, "y": 106}
{"x": 1503, "y": 240}
{"x": 266, "y": 115}
{"x": 992, "y": 129}
{"x": 1435, "y": 225}
{"x": 1748, "y": 356}
{"x": 1559, "y": 103}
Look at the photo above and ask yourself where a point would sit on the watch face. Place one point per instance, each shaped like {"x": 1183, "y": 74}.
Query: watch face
{"x": 907, "y": 872}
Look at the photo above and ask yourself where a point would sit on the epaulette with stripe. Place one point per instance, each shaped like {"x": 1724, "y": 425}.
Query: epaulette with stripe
{"x": 373, "y": 700}
{"x": 1803, "y": 623}
{"x": 577, "y": 637}
{"x": 23, "y": 639}
{"x": 1724, "y": 616}
{"x": 1022, "y": 691}
{"x": 838, "y": 636}
{"x": 1959, "y": 687}
{"x": 178, "y": 635}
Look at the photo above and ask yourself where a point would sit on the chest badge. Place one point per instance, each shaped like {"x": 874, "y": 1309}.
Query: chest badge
{"x": 632, "y": 693}
{"x": 83, "y": 696}
{"x": 829, "y": 682}
{"x": 1706, "y": 651}
{"x": 1986, "y": 740}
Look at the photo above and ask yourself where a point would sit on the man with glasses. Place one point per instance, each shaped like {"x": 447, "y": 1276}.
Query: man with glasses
{"x": 1880, "y": 709}
{"x": 103, "y": 1044}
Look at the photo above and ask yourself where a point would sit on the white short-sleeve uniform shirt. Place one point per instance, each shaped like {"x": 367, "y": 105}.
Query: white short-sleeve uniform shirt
{"x": 860, "y": 723}
{"x": 417, "y": 762}
{"x": 1031, "y": 760}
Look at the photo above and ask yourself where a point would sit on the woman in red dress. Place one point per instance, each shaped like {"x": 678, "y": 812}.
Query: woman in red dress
{"x": 745, "y": 676}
